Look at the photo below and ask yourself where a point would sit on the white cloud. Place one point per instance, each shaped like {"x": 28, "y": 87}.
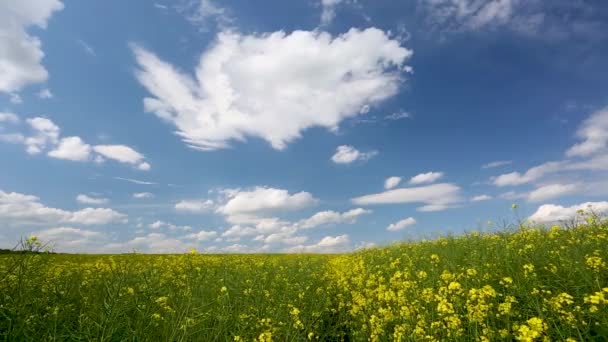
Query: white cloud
{"x": 145, "y": 166}
{"x": 346, "y": 154}
{"x": 12, "y": 138}
{"x": 91, "y": 200}
{"x": 205, "y": 13}
{"x": 91, "y": 216}
{"x": 264, "y": 199}
{"x": 142, "y": 195}
{"x": 548, "y": 213}
{"x": 135, "y": 181}
{"x": 273, "y": 86}
{"x": 194, "y": 205}
{"x": 400, "y": 115}
{"x": 45, "y": 133}
{"x": 71, "y": 148}
{"x": 552, "y": 191}
{"x": 45, "y": 94}
{"x": 434, "y": 207}
{"x": 123, "y": 154}
{"x": 470, "y": 15}
{"x": 239, "y": 231}
{"x": 20, "y": 52}
{"x": 402, "y": 224}
{"x": 327, "y": 244}
{"x": 329, "y": 12}
{"x": 511, "y": 195}
{"x": 533, "y": 174}
{"x": 497, "y": 163}
{"x": 479, "y": 198}
{"x": 156, "y": 224}
{"x": 202, "y": 235}
{"x": 68, "y": 239}
{"x": 21, "y": 209}
{"x": 594, "y": 147}
{"x": 9, "y": 117}
{"x": 284, "y": 238}
{"x": 160, "y": 224}
{"x": 435, "y": 197}
{"x": 594, "y": 133}
{"x": 428, "y": 177}
{"x": 330, "y": 216}
{"x": 152, "y": 243}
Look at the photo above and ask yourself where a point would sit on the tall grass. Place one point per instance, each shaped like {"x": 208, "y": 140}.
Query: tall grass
{"x": 529, "y": 284}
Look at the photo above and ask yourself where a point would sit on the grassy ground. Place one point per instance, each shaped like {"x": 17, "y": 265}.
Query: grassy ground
{"x": 528, "y": 284}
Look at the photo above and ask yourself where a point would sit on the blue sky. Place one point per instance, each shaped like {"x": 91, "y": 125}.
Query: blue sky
{"x": 297, "y": 126}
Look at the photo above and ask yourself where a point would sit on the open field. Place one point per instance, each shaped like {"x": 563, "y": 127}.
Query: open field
{"x": 528, "y": 284}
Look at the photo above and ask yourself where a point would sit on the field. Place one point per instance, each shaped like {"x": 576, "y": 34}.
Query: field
{"x": 526, "y": 284}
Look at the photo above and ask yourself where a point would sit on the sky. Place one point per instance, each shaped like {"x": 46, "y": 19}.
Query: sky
{"x": 312, "y": 126}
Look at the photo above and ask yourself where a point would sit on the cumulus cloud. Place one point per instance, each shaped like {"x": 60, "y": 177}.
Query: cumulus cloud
{"x": 143, "y": 195}
{"x": 264, "y": 199}
{"x": 238, "y": 231}
{"x": 402, "y": 224}
{"x": 123, "y": 154}
{"x": 71, "y": 148}
{"x": 194, "y": 205}
{"x": 161, "y": 224}
{"x": 45, "y": 94}
{"x": 272, "y": 86}
{"x": 550, "y": 191}
{"x": 548, "y": 213}
{"x": 202, "y": 235}
{"x": 22, "y": 209}
{"x": 327, "y": 244}
{"x": 91, "y": 200}
{"x": 480, "y": 198}
{"x": 9, "y": 117}
{"x": 12, "y": 138}
{"x": 68, "y": 239}
{"x": 533, "y": 174}
{"x": 428, "y": 177}
{"x": 435, "y": 197}
{"x": 329, "y": 12}
{"x": 20, "y": 52}
{"x": 330, "y": 216}
{"x": 151, "y": 243}
{"x": 282, "y": 238}
{"x": 45, "y": 133}
{"x": 346, "y": 154}
{"x": 93, "y": 216}
{"x": 272, "y": 231}
{"x": 594, "y": 135}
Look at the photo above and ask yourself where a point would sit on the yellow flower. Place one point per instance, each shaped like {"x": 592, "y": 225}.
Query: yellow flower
{"x": 506, "y": 281}
{"x": 595, "y": 262}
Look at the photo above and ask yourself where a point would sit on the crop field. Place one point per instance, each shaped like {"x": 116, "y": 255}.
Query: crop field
{"x": 525, "y": 284}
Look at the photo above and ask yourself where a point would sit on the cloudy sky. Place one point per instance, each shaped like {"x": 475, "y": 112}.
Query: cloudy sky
{"x": 299, "y": 126}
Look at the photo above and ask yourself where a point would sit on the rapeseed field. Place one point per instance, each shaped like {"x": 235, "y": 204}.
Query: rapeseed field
{"x": 525, "y": 284}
